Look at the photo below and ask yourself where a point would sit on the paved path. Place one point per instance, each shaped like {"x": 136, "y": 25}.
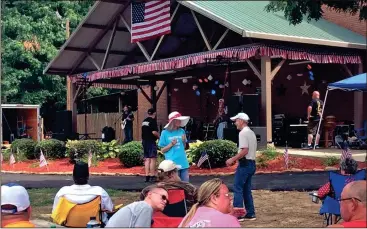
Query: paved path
{"x": 358, "y": 155}
{"x": 289, "y": 181}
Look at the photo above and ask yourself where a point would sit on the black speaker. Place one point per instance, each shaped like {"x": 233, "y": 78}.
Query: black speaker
{"x": 234, "y": 105}
{"x": 63, "y": 123}
{"x": 297, "y": 135}
{"x": 231, "y": 134}
{"x": 251, "y": 106}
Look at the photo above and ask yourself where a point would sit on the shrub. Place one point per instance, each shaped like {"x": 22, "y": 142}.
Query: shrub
{"x": 192, "y": 149}
{"x": 132, "y": 154}
{"x": 110, "y": 149}
{"x": 51, "y": 148}
{"x": 331, "y": 161}
{"x": 6, "y": 154}
{"x": 261, "y": 162}
{"x": 23, "y": 148}
{"x": 270, "y": 153}
{"x": 77, "y": 150}
{"x": 218, "y": 151}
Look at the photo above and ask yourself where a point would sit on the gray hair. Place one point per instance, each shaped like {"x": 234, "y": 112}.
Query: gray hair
{"x": 349, "y": 166}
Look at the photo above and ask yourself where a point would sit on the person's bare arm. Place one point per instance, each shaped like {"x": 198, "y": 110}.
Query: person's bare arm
{"x": 240, "y": 154}
{"x": 156, "y": 134}
{"x": 169, "y": 146}
{"x": 309, "y": 109}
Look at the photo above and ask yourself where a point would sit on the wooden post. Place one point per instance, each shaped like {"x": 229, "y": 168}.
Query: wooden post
{"x": 358, "y": 104}
{"x": 120, "y": 104}
{"x": 70, "y": 104}
{"x": 67, "y": 28}
{"x": 266, "y": 96}
{"x": 153, "y": 94}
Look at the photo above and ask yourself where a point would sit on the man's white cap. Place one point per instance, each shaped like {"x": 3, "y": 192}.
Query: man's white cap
{"x": 168, "y": 165}
{"x": 242, "y": 116}
{"x": 16, "y": 195}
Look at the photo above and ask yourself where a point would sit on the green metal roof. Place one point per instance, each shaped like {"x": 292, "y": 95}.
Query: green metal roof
{"x": 250, "y": 19}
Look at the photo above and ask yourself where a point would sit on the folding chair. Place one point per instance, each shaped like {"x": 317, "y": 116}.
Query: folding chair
{"x": 330, "y": 205}
{"x": 79, "y": 214}
{"x": 174, "y": 212}
{"x": 359, "y": 130}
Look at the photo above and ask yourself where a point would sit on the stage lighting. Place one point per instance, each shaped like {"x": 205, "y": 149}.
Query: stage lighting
{"x": 213, "y": 92}
{"x": 216, "y": 82}
{"x": 200, "y": 80}
{"x": 194, "y": 87}
{"x": 206, "y": 80}
{"x": 197, "y": 93}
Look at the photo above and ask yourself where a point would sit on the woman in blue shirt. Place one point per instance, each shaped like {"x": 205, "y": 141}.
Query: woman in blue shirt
{"x": 173, "y": 141}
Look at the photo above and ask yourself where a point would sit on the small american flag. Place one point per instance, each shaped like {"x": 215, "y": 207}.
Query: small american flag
{"x": 286, "y": 158}
{"x": 90, "y": 155}
{"x": 204, "y": 157}
{"x": 12, "y": 159}
{"x": 346, "y": 153}
{"x": 150, "y": 19}
{"x": 43, "y": 161}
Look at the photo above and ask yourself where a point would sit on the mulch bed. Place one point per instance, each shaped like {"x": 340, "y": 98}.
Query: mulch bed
{"x": 114, "y": 167}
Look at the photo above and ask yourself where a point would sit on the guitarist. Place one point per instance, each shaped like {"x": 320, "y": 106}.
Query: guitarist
{"x": 128, "y": 118}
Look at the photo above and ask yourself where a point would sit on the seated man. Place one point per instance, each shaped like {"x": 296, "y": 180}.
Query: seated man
{"x": 139, "y": 214}
{"x": 353, "y": 205}
{"x": 81, "y": 192}
{"x": 15, "y": 206}
{"x": 169, "y": 179}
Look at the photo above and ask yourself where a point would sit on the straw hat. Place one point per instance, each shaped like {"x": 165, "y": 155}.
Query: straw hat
{"x": 177, "y": 116}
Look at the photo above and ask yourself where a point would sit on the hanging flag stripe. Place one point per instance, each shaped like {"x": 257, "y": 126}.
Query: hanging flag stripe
{"x": 150, "y": 19}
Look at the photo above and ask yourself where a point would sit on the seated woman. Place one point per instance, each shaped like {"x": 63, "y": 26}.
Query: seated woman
{"x": 213, "y": 208}
{"x": 347, "y": 167}
{"x": 169, "y": 179}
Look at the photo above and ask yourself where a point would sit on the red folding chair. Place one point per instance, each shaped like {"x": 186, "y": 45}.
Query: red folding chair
{"x": 174, "y": 212}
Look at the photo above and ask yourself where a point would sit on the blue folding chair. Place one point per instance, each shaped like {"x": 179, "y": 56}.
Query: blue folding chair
{"x": 330, "y": 205}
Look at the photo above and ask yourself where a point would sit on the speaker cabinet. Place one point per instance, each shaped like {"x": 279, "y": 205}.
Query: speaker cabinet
{"x": 297, "y": 135}
{"x": 63, "y": 123}
{"x": 231, "y": 134}
{"x": 260, "y": 133}
{"x": 249, "y": 104}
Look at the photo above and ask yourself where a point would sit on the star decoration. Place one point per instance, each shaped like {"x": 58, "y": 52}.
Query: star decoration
{"x": 281, "y": 90}
{"x": 304, "y": 88}
{"x": 289, "y": 77}
{"x": 238, "y": 92}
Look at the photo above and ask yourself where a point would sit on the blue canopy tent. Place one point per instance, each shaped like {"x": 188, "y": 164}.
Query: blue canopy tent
{"x": 354, "y": 83}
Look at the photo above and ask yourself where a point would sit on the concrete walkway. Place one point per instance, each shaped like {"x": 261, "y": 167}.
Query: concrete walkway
{"x": 358, "y": 155}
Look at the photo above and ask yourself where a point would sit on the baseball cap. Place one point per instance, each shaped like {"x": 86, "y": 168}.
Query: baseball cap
{"x": 168, "y": 165}
{"x": 16, "y": 195}
{"x": 151, "y": 111}
{"x": 242, "y": 116}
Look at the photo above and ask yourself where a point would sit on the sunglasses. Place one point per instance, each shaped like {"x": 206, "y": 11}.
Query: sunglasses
{"x": 164, "y": 197}
{"x": 351, "y": 198}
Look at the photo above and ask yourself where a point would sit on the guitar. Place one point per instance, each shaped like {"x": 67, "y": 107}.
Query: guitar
{"x": 123, "y": 123}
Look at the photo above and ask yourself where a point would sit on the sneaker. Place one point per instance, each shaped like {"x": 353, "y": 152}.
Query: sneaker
{"x": 246, "y": 218}
{"x": 317, "y": 147}
{"x": 308, "y": 147}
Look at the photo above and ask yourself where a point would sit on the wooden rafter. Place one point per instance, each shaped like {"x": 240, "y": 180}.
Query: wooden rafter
{"x": 98, "y": 38}
{"x": 110, "y": 42}
{"x": 94, "y": 62}
{"x": 276, "y": 69}
{"x": 254, "y": 68}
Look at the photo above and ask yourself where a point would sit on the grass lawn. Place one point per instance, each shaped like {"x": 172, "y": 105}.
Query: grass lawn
{"x": 273, "y": 209}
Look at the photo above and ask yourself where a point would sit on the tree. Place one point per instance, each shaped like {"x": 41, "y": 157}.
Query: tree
{"x": 296, "y": 10}
{"x": 32, "y": 33}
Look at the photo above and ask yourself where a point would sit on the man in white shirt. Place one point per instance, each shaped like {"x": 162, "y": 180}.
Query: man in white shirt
{"x": 247, "y": 144}
{"x": 81, "y": 192}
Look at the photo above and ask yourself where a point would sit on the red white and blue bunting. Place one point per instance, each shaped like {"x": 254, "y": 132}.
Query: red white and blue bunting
{"x": 242, "y": 53}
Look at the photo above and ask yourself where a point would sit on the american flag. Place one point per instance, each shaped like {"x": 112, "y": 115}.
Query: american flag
{"x": 12, "y": 159}
{"x": 43, "y": 161}
{"x": 150, "y": 19}
{"x": 90, "y": 158}
{"x": 204, "y": 157}
{"x": 346, "y": 153}
{"x": 286, "y": 158}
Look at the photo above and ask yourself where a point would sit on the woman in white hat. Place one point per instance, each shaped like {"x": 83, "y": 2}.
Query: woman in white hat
{"x": 173, "y": 141}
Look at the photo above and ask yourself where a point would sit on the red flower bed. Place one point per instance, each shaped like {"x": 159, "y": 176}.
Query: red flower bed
{"x": 113, "y": 166}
